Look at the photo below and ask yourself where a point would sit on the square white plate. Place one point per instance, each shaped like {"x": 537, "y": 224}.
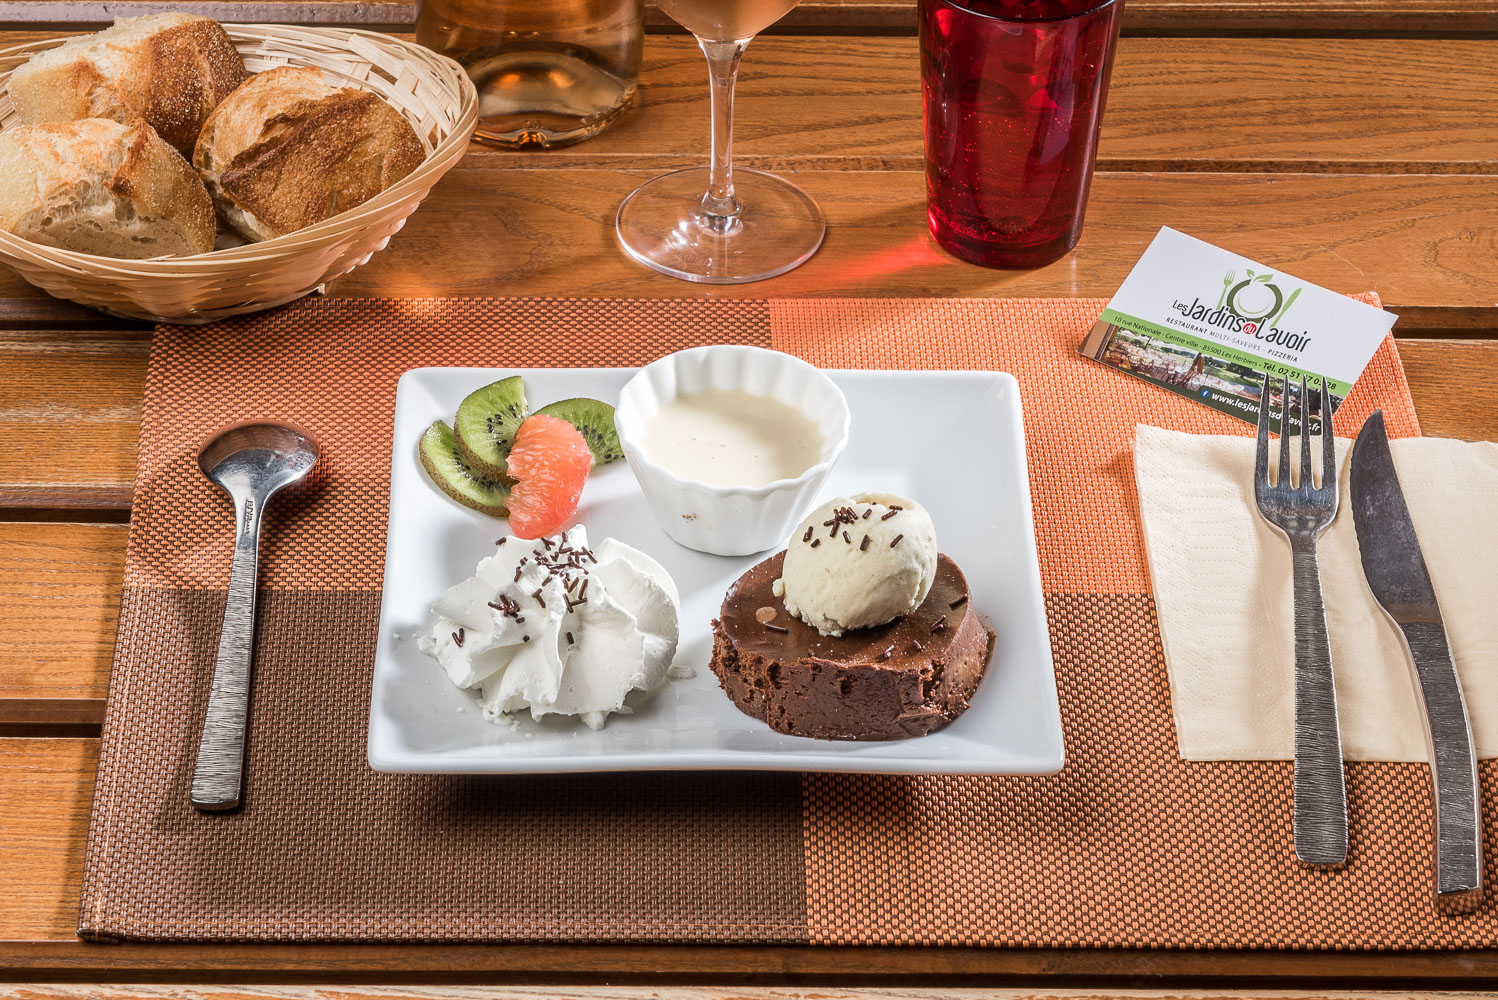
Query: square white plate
{"x": 954, "y": 441}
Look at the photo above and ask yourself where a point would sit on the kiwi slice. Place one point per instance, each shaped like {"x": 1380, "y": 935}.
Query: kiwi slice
{"x": 486, "y": 423}
{"x": 595, "y": 420}
{"x": 455, "y": 477}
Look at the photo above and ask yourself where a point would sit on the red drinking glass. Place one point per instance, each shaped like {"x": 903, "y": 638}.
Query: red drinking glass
{"x": 1014, "y": 93}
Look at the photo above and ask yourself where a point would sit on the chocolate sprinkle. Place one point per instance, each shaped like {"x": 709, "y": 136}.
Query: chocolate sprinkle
{"x": 525, "y": 638}
{"x": 570, "y": 640}
{"x": 867, "y": 513}
{"x": 502, "y": 540}
{"x": 896, "y": 541}
{"x": 941, "y": 623}
{"x": 815, "y": 542}
{"x": 890, "y": 513}
{"x": 775, "y": 628}
{"x": 539, "y": 599}
{"x": 847, "y": 539}
{"x": 807, "y": 537}
{"x": 517, "y": 574}
{"x": 888, "y": 652}
{"x": 863, "y": 546}
{"x": 458, "y": 638}
{"x": 959, "y": 602}
{"x": 915, "y": 646}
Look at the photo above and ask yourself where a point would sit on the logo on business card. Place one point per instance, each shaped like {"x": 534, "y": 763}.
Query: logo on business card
{"x": 1255, "y": 298}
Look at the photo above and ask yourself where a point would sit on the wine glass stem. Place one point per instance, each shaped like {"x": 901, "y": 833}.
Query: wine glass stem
{"x": 720, "y": 206}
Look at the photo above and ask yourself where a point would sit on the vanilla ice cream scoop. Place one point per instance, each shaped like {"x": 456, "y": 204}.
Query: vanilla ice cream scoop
{"x": 858, "y": 562}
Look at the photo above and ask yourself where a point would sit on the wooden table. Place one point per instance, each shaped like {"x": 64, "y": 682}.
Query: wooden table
{"x": 1352, "y": 142}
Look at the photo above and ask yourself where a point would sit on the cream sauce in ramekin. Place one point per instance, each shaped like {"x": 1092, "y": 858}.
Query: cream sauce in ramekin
{"x": 728, "y": 437}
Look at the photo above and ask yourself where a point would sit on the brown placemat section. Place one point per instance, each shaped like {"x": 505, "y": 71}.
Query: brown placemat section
{"x": 325, "y": 848}
{"x": 1128, "y": 846}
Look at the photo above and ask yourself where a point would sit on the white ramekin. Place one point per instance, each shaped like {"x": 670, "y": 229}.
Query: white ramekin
{"x": 731, "y": 520}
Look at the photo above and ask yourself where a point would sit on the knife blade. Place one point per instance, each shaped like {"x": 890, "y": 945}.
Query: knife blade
{"x": 1395, "y": 569}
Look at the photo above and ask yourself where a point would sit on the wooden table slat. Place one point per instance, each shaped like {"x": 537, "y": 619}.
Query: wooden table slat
{"x": 59, "y": 599}
{"x": 69, "y": 411}
{"x": 1201, "y": 104}
{"x": 1423, "y": 242}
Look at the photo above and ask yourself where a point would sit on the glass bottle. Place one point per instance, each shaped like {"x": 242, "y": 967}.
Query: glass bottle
{"x": 548, "y": 72}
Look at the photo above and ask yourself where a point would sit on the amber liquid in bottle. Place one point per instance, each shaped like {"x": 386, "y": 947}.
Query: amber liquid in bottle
{"x": 548, "y": 72}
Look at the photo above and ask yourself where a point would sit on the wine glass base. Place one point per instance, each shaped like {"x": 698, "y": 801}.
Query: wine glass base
{"x": 662, "y": 226}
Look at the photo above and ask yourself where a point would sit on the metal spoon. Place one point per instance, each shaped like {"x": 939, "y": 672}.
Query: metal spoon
{"x": 251, "y": 462}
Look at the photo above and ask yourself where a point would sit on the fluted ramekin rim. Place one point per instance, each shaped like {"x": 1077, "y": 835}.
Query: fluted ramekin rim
{"x": 635, "y": 453}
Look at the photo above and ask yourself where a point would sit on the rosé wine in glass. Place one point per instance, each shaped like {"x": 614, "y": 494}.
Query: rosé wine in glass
{"x": 717, "y": 224}
{"x": 725, "y": 20}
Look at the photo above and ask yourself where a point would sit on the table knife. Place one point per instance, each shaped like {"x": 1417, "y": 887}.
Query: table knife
{"x": 1396, "y": 573}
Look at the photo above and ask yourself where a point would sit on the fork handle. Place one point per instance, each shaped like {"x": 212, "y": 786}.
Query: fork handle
{"x": 1320, "y": 789}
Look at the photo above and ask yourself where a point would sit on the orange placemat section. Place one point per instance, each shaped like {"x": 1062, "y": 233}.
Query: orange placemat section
{"x": 1128, "y": 846}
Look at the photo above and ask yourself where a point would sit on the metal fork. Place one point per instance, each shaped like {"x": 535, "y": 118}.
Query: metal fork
{"x": 1303, "y": 512}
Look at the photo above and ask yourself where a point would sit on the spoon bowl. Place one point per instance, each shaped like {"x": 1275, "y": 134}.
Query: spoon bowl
{"x": 258, "y": 455}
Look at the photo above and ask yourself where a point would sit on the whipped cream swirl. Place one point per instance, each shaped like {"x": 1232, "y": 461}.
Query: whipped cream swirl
{"x": 558, "y": 628}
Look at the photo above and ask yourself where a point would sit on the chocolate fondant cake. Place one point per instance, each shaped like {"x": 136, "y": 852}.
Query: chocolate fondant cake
{"x": 906, "y": 678}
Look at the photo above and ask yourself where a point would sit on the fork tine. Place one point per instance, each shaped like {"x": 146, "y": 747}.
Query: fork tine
{"x": 1261, "y": 449}
{"x": 1306, "y": 482}
{"x": 1284, "y": 480}
{"x": 1328, "y": 441}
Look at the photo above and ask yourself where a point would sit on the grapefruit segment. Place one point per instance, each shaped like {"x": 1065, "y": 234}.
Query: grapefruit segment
{"x": 550, "y": 461}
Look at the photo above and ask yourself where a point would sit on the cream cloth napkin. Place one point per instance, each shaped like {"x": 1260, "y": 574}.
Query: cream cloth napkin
{"x": 1224, "y": 597}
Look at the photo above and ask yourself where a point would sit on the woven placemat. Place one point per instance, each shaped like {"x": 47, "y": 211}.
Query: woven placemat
{"x": 1128, "y": 846}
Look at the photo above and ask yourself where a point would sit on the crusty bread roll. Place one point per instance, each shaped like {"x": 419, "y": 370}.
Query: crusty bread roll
{"x": 286, "y": 150}
{"x": 170, "y": 69}
{"x": 100, "y": 187}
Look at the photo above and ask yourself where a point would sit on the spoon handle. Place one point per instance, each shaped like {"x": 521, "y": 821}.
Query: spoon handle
{"x": 217, "y": 779}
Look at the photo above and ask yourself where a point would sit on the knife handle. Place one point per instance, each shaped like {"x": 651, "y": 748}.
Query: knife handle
{"x": 1320, "y": 788}
{"x": 1453, "y": 771}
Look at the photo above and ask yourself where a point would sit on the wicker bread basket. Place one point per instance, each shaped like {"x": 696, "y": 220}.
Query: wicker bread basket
{"x": 433, "y": 93}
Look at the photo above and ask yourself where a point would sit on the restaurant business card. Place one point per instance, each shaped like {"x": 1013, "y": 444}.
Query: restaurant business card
{"x": 1209, "y": 325}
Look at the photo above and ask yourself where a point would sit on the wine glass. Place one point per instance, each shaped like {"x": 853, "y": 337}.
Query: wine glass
{"x": 715, "y": 224}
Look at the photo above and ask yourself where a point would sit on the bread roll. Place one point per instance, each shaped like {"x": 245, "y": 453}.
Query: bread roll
{"x": 100, "y": 187}
{"x": 286, "y": 150}
{"x": 170, "y": 69}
